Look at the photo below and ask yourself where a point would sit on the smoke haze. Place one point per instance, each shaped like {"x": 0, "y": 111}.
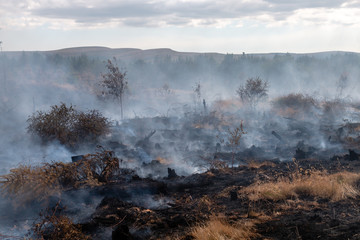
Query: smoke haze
{"x": 185, "y": 103}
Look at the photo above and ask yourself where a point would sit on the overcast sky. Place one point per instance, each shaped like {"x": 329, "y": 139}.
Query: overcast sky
{"x": 227, "y": 26}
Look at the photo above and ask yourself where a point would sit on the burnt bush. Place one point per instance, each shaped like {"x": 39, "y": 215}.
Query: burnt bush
{"x": 296, "y": 105}
{"x": 68, "y": 126}
{"x": 334, "y": 109}
{"x": 53, "y": 225}
{"x": 26, "y": 184}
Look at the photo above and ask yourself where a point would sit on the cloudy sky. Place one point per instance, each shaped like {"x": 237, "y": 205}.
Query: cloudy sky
{"x": 232, "y": 26}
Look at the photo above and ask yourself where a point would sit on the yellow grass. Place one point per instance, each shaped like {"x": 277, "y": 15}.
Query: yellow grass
{"x": 217, "y": 229}
{"x": 335, "y": 187}
{"x": 259, "y": 164}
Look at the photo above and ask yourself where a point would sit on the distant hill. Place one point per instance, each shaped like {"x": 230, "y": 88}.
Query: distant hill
{"x": 131, "y": 54}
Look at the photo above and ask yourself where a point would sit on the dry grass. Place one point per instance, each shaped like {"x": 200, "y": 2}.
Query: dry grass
{"x": 218, "y": 229}
{"x": 56, "y": 226}
{"x": 211, "y": 163}
{"x": 259, "y": 164}
{"x": 229, "y": 105}
{"x": 335, "y": 187}
{"x": 26, "y": 184}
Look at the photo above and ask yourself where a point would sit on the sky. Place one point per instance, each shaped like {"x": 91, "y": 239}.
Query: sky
{"x": 225, "y": 26}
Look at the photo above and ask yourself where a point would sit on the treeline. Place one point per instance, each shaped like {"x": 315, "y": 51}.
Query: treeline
{"x": 228, "y": 70}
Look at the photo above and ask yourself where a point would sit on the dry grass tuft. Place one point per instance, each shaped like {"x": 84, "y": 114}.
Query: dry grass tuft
{"x": 335, "y": 187}
{"x": 218, "y": 229}
{"x": 259, "y": 164}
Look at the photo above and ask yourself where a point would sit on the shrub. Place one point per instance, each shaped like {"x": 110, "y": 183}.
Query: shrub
{"x": 53, "y": 225}
{"x": 26, "y": 184}
{"x": 68, "y": 126}
{"x": 295, "y": 105}
{"x": 334, "y": 109}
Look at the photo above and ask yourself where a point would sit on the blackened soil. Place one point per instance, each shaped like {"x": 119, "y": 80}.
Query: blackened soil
{"x": 170, "y": 208}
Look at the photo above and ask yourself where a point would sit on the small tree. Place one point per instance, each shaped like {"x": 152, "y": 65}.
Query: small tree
{"x": 254, "y": 91}
{"x": 234, "y": 140}
{"x": 342, "y": 83}
{"x": 115, "y": 82}
{"x": 165, "y": 90}
{"x": 197, "y": 95}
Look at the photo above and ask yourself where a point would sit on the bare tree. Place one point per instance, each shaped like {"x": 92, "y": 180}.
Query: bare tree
{"x": 234, "y": 140}
{"x": 115, "y": 82}
{"x": 197, "y": 94}
{"x": 165, "y": 90}
{"x": 254, "y": 91}
{"x": 342, "y": 83}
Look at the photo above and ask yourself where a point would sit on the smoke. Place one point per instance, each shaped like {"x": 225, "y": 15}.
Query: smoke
{"x": 190, "y": 124}
{"x": 160, "y": 87}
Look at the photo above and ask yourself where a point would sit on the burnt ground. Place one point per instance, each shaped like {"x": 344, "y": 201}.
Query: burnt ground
{"x": 168, "y": 208}
{"x": 140, "y": 203}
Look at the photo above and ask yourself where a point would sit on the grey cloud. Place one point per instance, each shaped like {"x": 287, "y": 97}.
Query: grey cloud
{"x": 182, "y": 12}
{"x": 140, "y": 22}
{"x": 298, "y": 4}
{"x": 119, "y": 11}
{"x": 178, "y": 21}
{"x": 138, "y": 13}
{"x": 220, "y": 10}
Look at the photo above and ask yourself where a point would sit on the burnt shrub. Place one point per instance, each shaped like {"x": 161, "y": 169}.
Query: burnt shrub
{"x": 335, "y": 109}
{"x": 53, "y": 224}
{"x": 68, "y": 126}
{"x": 296, "y": 105}
{"x": 27, "y": 184}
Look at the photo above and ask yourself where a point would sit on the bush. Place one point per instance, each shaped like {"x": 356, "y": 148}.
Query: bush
{"x": 295, "y": 105}
{"x": 334, "y": 109}
{"x": 53, "y": 225}
{"x": 26, "y": 184}
{"x": 68, "y": 126}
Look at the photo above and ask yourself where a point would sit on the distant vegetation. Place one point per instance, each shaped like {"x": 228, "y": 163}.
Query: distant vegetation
{"x": 254, "y": 91}
{"x": 279, "y": 69}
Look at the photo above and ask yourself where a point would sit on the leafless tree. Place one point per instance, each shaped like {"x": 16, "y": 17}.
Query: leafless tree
{"x": 342, "y": 83}
{"x": 234, "y": 140}
{"x": 197, "y": 95}
{"x": 254, "y": 91}
{"x": 115, "y": 82}
{"x": 165, "y": 90}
